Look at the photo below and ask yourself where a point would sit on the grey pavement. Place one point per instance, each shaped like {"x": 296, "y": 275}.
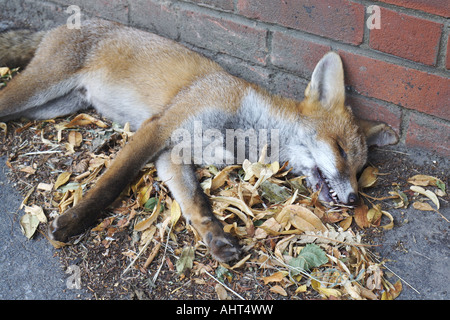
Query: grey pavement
{"x": 419, "y": 253}
{"x": 28, "y": 269}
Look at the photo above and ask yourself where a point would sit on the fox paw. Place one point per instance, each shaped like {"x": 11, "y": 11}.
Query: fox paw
{"x": 223, "y": 247}
{"x": 65, "y": 226}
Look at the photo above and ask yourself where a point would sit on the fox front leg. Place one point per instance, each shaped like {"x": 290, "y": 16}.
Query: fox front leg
{"x": 195, "y": 206}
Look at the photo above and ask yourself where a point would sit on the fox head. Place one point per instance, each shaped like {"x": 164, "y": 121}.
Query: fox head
{"x": 339, "y": 147}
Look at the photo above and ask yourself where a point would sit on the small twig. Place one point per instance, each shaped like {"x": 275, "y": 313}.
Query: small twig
{"x": 442, "y": 216}
{"x": 403, "y": 280}
{"x": 152, "y": 255}
{"x": 393, "y": 151}
{"x": 38, "y": 152}
{"x": 155, "y": 277}
{"x": 137, "y": 257}
{"x": 409, "y": 285}
{"x": 224, "y": 285}
{"x": 342, "y": 242}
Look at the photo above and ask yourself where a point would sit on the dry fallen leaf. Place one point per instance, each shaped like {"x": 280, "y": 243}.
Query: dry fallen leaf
{"x": 222, "y": 293}
{"x": 4, "y": 127}
{"x": 392, "y": 291}
{"x": 28, "y": 170}
{"x": 276, "y": 277}
{"x": 301, "y": 218}
{"x": 374, "y": 215}
{"x": 301, "y": 289}
{"x": 220, "y": 179}
{"x": 361, "y": 216}
{"x": 45, "y": 186}
{"x": 175, "y": 212}
{"x": 82, "y": 120}
{"x": 269, "y": 227}
{"x": 422, "y": 180}
{"x": 327, "y": 292}
{"x": 147, "y": 222}
{"x": 346, "y": 223}
{"x": 241, "y": 262}
{"x": 430, "y": 194}
{"x": 368, "y": 177}
{"x": 423, "y": 206}
{"x": 4, "y": 71}
{"x": 400, "y": 199}
{"x": 278, "y": 289}
{"x": 36, "y": 211}
{"x": 29, "y": 222}
{"x": 390, "y": 225}
{"x": 75, "y": 138}
{"x": 62, "y": 179}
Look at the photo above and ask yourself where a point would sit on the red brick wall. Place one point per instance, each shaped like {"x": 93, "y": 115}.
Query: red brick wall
{"x": 398, "y": 73}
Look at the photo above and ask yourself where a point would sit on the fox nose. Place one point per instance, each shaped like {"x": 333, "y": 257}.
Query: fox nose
{"x": 352, "y": 198}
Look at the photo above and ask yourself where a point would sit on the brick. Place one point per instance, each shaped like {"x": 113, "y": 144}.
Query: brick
{"x": 247, "y": 71}
{"x": 114, "y": 10}
{"x": 406, "y": 87}
{"x": 226, "y": 5}
{"x": 438, "y": 7}
{"x": 245, "y": 41}
{"x": 337, "y": 19}
{"x": 406, "y": 36}
{"x": 156, "y": 16}
{"x": 369, "y": 109}
{"x": 296, "y": 54}
{"x": 289, "y": 86}
{"x": 428, "y": 134}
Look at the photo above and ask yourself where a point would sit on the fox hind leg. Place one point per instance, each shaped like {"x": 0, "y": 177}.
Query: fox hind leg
{"x": 137, "y": 152}
{"x": 68, "y": 104}
{"x": 26, "y": 95}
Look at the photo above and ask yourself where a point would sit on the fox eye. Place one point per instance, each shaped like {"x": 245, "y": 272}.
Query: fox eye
{"x": 342, "y": 152}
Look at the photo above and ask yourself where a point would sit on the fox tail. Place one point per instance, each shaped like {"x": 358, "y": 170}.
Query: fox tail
{"x": 17, "y": 47}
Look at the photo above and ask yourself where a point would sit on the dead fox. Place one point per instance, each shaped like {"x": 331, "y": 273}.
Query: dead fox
{"x": 160, "y": 86}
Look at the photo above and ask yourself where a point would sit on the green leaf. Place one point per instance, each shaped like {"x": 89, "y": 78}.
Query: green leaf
{"x": 311, "y": 256}
{"x": 222, "y": 273}
{"x": 440, "y": 185}
{"x": 297, "y": 183}
{"x": 273, "y": 192}
{"x": 151, "y": 203}
{"x": 186, "y": 260}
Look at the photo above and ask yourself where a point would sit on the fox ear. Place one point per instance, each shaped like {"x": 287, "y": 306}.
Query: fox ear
{"x": 377, "y": 133}
{"x": 327, "y": 82}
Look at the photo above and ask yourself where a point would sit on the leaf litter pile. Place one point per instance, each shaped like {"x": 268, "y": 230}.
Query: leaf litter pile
{"x": 294, "y": 246}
